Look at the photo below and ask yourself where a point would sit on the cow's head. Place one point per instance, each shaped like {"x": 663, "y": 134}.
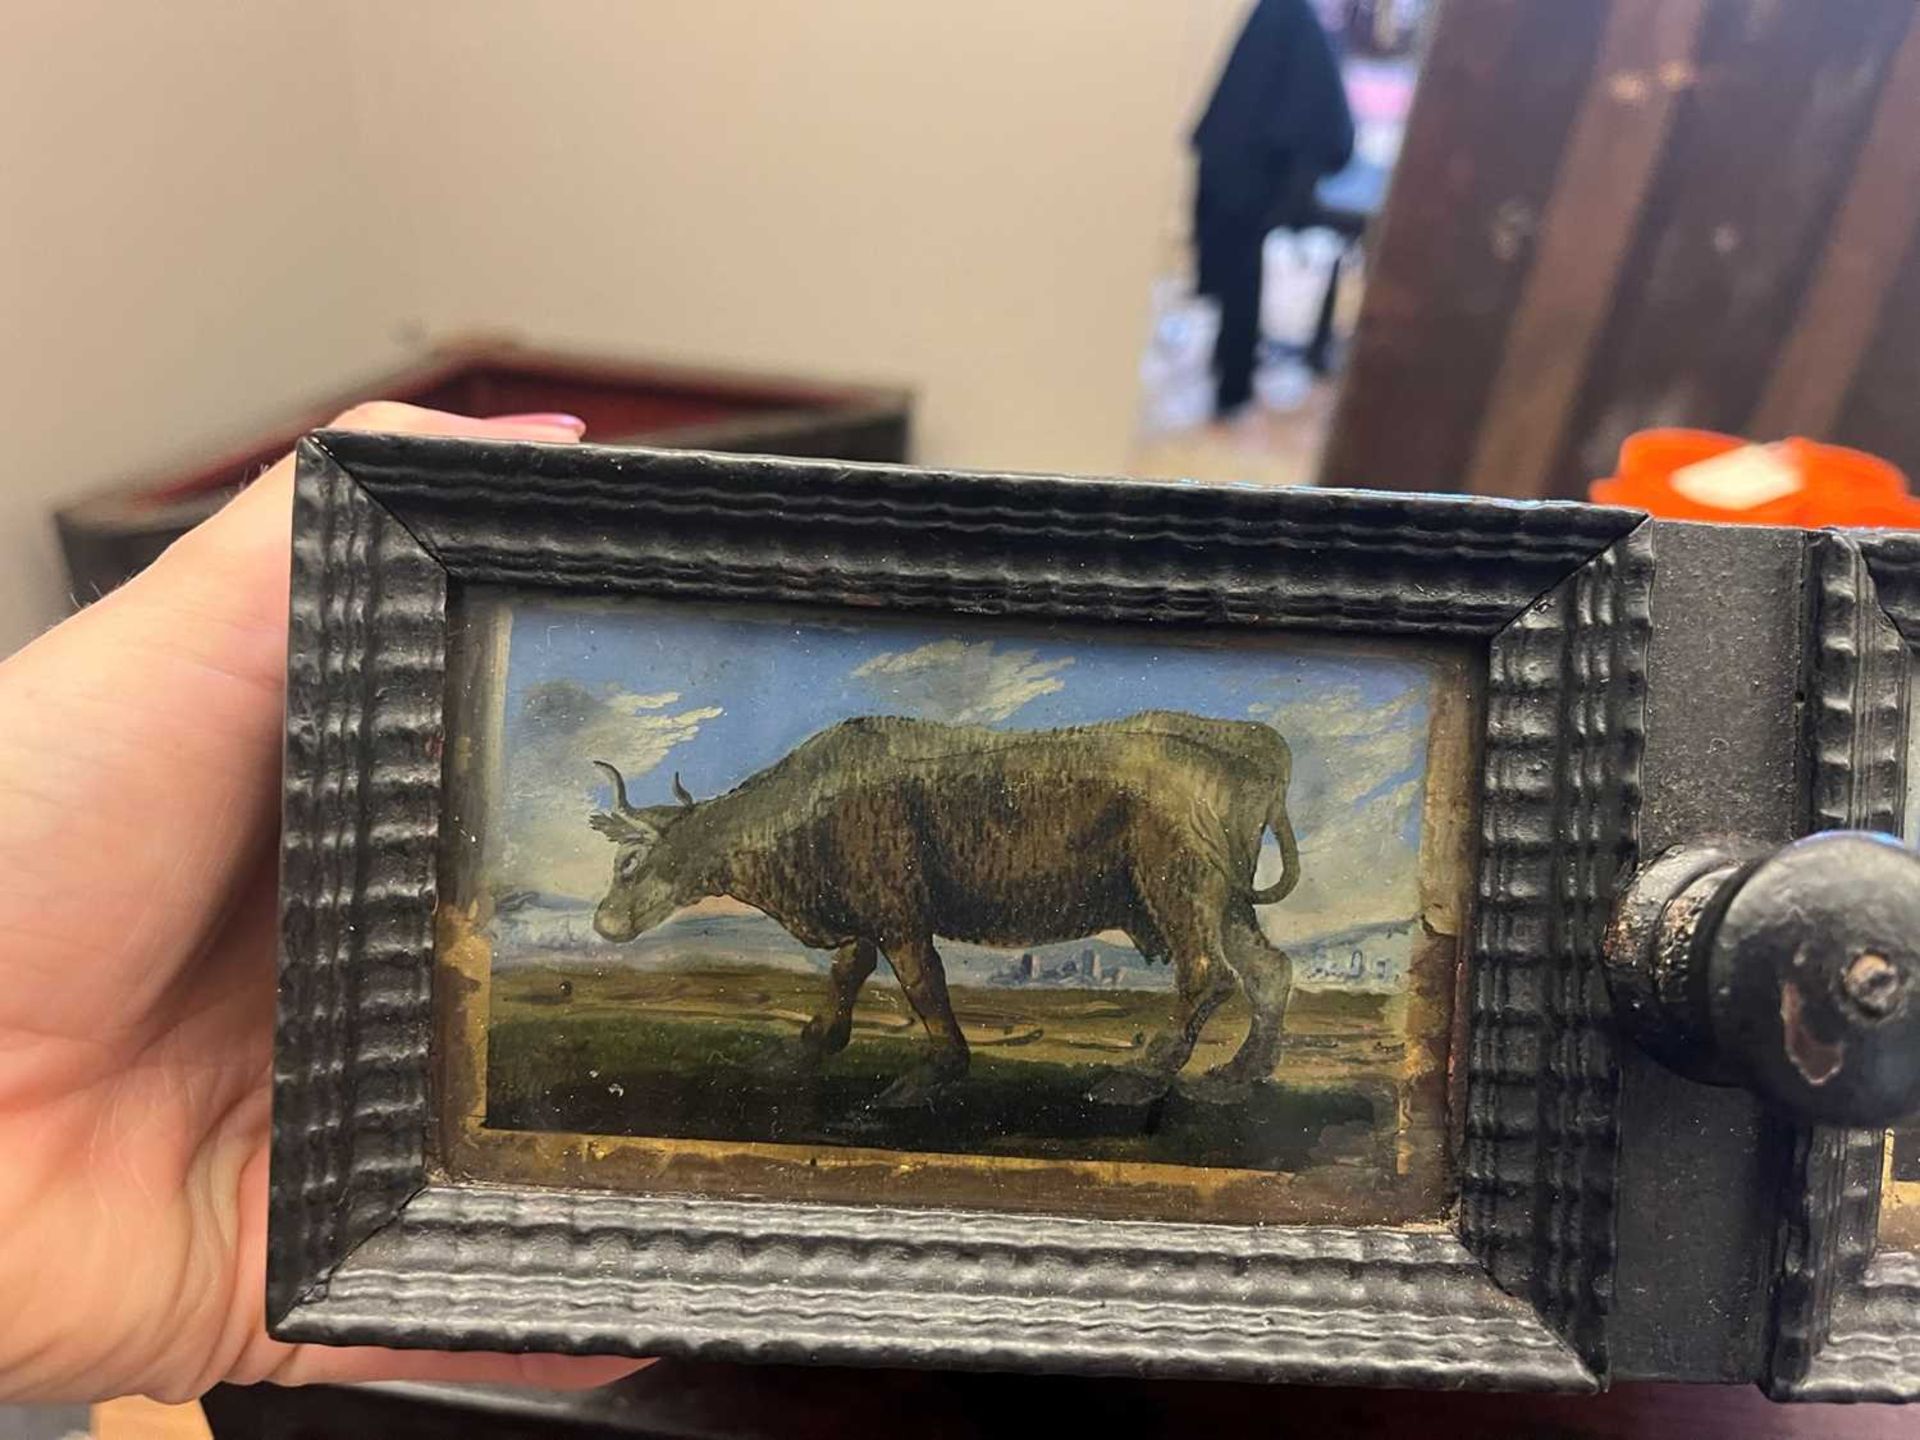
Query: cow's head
{"x": 645, "y": 890}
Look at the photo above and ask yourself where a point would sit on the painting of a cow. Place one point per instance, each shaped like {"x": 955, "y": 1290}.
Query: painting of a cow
{"x": 879, "y": 835}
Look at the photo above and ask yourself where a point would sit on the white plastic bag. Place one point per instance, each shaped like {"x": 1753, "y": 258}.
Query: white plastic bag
{"x": 1176, "y": 377}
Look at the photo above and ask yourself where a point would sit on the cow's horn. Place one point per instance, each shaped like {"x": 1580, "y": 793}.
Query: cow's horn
{"x": 620, "y": 804}
{"x": 680, "y": 791}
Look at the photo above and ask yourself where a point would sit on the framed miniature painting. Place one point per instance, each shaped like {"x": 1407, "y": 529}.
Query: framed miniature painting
{"x": 780, "y": 910}
{"x": 823, "y": 905}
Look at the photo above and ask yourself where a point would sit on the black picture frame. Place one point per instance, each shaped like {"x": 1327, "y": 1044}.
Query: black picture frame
{"x": 1846, "y": 1312}
{"x": 366, "y": 1245}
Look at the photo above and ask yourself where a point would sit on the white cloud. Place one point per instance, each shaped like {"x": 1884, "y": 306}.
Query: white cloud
{"x": 552, "y": 785}
{"x": 1358, "y": 771}
{"x": 1348, "y": 753}
{"x": 965, "y": 682}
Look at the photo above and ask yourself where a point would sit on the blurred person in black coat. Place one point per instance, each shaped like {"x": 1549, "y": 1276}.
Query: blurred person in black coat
{"x": 1278, "y": 121}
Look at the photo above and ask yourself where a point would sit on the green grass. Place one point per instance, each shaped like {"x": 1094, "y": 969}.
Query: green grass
{"x": 713, "y": 1054}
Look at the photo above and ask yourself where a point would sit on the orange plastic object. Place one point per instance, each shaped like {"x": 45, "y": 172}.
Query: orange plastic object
{"x": 1839, "y": 486}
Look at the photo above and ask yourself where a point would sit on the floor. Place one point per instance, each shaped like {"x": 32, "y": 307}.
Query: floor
{"x": 1260, "y": 446}
{"x": 1278, "y": 438}
{"x": 43, "y": 1422}
{"x": 132, "y": 1418}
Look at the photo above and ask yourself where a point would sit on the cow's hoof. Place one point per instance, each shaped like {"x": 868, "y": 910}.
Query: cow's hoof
{"x": 818, "y": 1041}
{"x": 1129, "y": 1088}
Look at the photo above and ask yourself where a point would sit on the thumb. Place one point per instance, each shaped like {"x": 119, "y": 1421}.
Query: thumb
{"x": 219, "y": 593}
{"x": 141, "y": 769}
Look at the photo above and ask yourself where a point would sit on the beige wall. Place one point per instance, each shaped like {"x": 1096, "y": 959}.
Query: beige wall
{"x": 178, "y": 249}
{"x": 214, "y": 207}
{"x": 969, "y": 196}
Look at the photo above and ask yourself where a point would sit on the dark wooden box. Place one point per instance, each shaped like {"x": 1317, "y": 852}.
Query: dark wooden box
{"x": 112, "y": 535}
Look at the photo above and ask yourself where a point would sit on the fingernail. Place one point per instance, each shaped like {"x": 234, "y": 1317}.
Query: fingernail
{"x": 557, "y": 419}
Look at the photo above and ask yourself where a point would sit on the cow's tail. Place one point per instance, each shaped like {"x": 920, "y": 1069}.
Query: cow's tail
{"x": 1282, "y": 827}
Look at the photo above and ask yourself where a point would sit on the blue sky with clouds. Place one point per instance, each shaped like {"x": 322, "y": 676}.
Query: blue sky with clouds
{"x": 717, "y": 694}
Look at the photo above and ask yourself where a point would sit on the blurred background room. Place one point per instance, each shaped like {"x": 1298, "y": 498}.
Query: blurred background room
{"x": 225, "y": 219}
{"x": 961, "y": 235}
{"x": 222, "y": 215}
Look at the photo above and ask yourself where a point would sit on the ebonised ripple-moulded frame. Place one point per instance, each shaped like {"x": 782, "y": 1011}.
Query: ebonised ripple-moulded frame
{"x": 1846, "y": 1319}
{"x": 367, "y": 1245}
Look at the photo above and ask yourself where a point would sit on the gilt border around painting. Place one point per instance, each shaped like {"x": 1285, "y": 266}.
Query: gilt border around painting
{"x": 366, "y": 1246}
{"x": 1419, "y": 1186}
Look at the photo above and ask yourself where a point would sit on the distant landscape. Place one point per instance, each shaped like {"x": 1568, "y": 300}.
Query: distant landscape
{"x": 1371, "y": 959}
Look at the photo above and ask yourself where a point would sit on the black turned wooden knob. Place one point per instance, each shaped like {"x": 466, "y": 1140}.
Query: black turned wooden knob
{"x": 1793, "y": 972}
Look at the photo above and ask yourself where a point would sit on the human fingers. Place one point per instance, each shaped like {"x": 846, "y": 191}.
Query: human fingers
{"x": 220, "y": 590}
{"x": 217, "y": 595}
